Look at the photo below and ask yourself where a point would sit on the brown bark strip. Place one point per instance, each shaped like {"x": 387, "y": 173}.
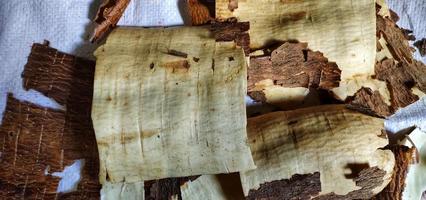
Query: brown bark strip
{"x": 108, "y": 15}
{"x": 199, "y": 12}
{"x": 70, "y": 135}
{"x": 231, "y": 30}
{"x": 293, "y": 65}
{"x": 57, "y": 75}
{"x": 399, "y": 82}
{"x": 35, "y": 139}
{"x": 297, "y": 187}
{"x": 397, "y": 42}
{"x": 403, "y": 158}
{"x": 421, "y": 46}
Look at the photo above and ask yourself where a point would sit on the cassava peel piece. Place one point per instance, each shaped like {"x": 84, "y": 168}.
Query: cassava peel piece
{"x": 330, "y": 140}
{"x": 158, "y": 115}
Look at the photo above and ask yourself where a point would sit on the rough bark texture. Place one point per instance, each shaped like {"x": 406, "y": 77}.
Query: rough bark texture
{"x": 367, "y": 179}
{"x": 398, "y": 69}
{"x": 300, "y": 187}
{"x": 108, "y": 15}
{"x": 369, "y": 102}
{"x": 231, "y": 30}
{"x": 403, "y": 158}
{"x": 199, "y": 12}
{"x": 61, "y": 137}
{"x": 165, "y": 188}
{"x": 35, "y": 139}
{"x": 292, "y": 65}
{"x": 421, "y": 46}
{"x": 57, "y": 75}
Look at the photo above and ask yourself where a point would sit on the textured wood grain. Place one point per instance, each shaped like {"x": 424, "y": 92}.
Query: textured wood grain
{"x": 35, "y": 141}
{"x": 46, "y": 138}
{"x": 395, "y": 65}
{"x": 58, "y": 75}
{"x": 284, "y": 77}
{"x": 343, "y": 30}
{"x": 158, "y": 115}
{"x": 403, "y": 158}
{"x": 330, "y": 140}
{"x": 108, "y": 15}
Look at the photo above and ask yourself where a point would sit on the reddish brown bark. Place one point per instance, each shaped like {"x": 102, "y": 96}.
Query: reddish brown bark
{"x": 108, "y": 15}
{"x": 293, "y": 65}
{"x": 35, "y": 138}
{"x": 403, "y": 158}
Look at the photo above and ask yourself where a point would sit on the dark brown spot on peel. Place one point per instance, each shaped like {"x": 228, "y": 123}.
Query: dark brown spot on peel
{"x": 196, "y": 59}
{"x": 151, "y": 66}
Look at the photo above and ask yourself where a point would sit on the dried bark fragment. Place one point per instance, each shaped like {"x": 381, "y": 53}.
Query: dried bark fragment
{"x": 369, "y": 102}
{"x": 199, "y": 12}
{"x": 399, "y": 83}
{"x": 300, "y": 187}
{"x": 403, "y": 158}
{"x": 58, "y": 75}
{"x": 231, "y": 30}
{"x": 326, "y": 139}
{"x": 396, "y": 39}
{"x": 291, "y": 65}
{"x": 141, "y": 139}
{"x": 68, "y": 80}
{"x": 108, "y": 15}
{"x": 404, "y": 76}
{"x": 421, "y": 46}
{"x": 37, "y": 139}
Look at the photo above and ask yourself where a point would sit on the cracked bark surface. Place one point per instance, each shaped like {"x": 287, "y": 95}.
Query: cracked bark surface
{"x": 36, "y": 139}
{"x": 285, "y": 75}
{"x": 404, "y": 76}
{"x": 403, "y": 158}
{"x": 61, "y": 137}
